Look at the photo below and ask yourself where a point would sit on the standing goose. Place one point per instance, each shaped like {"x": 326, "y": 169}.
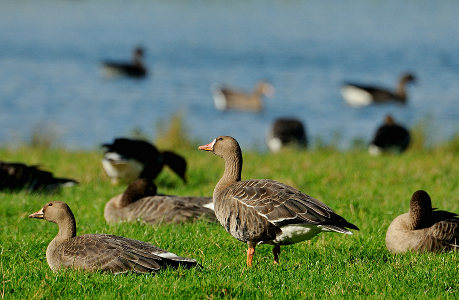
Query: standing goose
{"x": 227, "y": 98}
{"x": 423, "y": 228}
{"x": 362, "y": 95}
{"x": 389, "y": 137}
{"x": 262, "y": 211}
{"x": 16, "y": 176}
{"x": 135, "y": 69}
{"x": 286, "y": 132}
{"x": 128, "y": 159}
{"x": 140, "y": 201}
{"x": 101, "y": 252}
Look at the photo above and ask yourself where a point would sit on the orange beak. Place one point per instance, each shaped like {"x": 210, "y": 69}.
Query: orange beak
{"x": 37, "y": 215}
{"x": 208, "y": 147}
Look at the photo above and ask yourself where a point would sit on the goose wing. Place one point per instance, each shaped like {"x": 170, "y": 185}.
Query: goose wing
{"x": 116, "y": 254}
{"x": 282, "y": 204}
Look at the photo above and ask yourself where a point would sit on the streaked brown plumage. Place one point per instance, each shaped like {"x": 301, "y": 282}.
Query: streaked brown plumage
{"x": 140, "y": 202}
{"x": 423, "y": 228}
{"x": 262, "y": 211}
{"x": 101, "y": 252}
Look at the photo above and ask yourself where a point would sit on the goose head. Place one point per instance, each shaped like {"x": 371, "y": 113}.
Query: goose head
{"x": 223, "y": 146}
{"x": 420, "y": 209}
{"x": 55, "y": 211}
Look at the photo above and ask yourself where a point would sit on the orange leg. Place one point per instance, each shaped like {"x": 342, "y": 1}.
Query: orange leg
{"x": 250, "y": 253}
{"x": 276, "y": 251}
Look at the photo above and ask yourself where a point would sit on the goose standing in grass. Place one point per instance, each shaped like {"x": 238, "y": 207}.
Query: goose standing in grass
{"x": 128, "y": 159}
{"x": 101, "y": 252}
{"x": 227, "y": 98}
{"x": 423, "y": 228}
{"x": 262, "y": 211}
{"x": 286, "y": 132}
{"x": 135, "y": 68}
{"x": 140, "y": 202}
{"x": 390, "y": 137}
{"x": 362, "y": 95}
{"x": 16, "y": 176}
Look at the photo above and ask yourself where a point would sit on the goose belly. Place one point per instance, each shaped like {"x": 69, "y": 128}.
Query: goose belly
{"x": 355, "y": 96}
{"x": 220, "y": 100}
{"x": 292, "y": 234}
{"x": 123, "y": 170}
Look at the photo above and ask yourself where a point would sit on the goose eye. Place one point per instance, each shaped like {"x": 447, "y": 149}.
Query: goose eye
{"x": 220, "y": 139}
{"x": 50, "y": 204}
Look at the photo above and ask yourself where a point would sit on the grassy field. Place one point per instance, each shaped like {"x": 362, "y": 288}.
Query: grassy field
{"x": 367, "y": 191}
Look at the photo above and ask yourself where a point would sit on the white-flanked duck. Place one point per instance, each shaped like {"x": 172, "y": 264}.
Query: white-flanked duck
{"x": 141, "y": 202}
{"x": 262, "y": 211}
{"x": 16, "y": 176}
{"x": 227, "y": 98}
{"x": 390, "y": 137}
{"x": 135, "y": 68}
{"x": 101, "y": 252}
{"x": 423, "y": 228}
{"x": 362, "y": 95}
{"x": 128, "y": 159}
{"x": 286, "y": 132}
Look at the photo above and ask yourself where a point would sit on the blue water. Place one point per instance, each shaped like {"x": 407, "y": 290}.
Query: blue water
{"x": 50, "y": 75}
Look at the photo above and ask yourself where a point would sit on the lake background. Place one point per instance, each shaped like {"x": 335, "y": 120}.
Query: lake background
{"x": 50, "y": 74}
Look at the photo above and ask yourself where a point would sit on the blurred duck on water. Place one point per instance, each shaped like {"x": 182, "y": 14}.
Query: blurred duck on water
{"x": 226, "y": 98}
{"x": 135, "y": 68}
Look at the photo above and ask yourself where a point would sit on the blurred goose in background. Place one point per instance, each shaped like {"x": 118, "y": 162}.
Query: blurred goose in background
{"x": 286, "y": 132}
{"x": 228, "y": 98}
{"x": 135, "y": 68}
{"x": 362, "y": 95}
{"x": 101, "y": 252}
{"x": 423, "y": 228}
{"x": 389, "y": 137}
{"x": 262, "y": 211}
{"x": 140, "y": 202}
{"x": 16, "y": 176}
{"x": 128, "y": 159}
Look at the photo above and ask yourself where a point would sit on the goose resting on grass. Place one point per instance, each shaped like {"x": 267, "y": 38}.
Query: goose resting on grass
{"x": 423, "y": 228}
{"x": 262, "y": 211}
{"x": 140, "y": 202}
{"x": 17, "y": 176}
{"x": 227, "y": 98}
{"x": 389, "y": 137}
{"x": 135, "y": 69}
{"x": 286, "y": 132}
{"x": 101, "y": 252}
{"x": 362, "y": 95}
{"x": 128, "y": 159}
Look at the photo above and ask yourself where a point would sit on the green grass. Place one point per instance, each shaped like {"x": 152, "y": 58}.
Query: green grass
{"x": 367, "y": 191}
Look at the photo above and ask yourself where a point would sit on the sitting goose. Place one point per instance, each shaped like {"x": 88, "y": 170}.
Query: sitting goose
{"x": 101, "y": 252}
{"x": 286, "y": 132}
{"x": 128, "y": 159}
{"x": 362, "y": 95}
{"x": 389, "y": 137}
{"x": 140, "y": 201}
{"x": 16, "y": 176}
{"x": 423, "y": 228}
{"x": 134, "y": 69}
{"x": 227, "y": 98}
{"x": 262, "y": 211}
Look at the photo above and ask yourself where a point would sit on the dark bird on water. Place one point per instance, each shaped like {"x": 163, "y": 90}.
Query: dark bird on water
{"x": 135, "y": 68}
{"x": 390, "y": 137}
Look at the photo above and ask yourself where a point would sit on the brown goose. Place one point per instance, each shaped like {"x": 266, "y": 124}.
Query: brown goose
{"x": 362, "y": 95}
{"x": 140, "y": 202}
{"x": 228, "y": 98}
{"x": 101, "y": 252}
{"x": 134, "y": 69}
{"x": 262, "y": 211}
{"x": 16, "y": 176}
{"x": 423, "y": 228}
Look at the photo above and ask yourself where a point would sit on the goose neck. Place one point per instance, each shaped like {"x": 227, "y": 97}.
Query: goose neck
{"x": 232, "y": 173}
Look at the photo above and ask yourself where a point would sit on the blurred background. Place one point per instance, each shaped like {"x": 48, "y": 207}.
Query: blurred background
{"x": 52, "y": 83}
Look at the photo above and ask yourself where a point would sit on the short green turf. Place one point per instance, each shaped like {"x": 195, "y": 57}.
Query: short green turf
{"x": 368, "y": 191}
